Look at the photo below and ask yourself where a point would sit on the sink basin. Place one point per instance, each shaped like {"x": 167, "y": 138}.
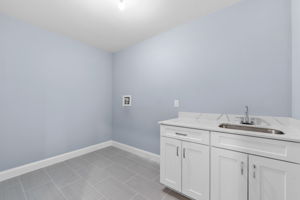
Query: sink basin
{"x": 251, "y": 128}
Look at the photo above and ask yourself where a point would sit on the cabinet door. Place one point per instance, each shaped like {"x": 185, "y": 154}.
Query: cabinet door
{"x": 195, "y": 170}
{"x": 170, "y": 159}
{"x": 273, "y": 180}
{"x": 229, "y": 175}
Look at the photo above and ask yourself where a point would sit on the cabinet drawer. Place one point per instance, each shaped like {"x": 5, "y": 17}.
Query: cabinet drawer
{"x": 193, "y": 135}
{"x": 281, "y": 150}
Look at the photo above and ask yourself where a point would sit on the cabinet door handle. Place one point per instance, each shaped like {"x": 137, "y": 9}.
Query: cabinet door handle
{"x": 177, "y": 151}
{"x": 242, "y": 168}
{"x": 254, "y": 171}
{"x": 181, "y": 134}
{"x": 183, "y": 152}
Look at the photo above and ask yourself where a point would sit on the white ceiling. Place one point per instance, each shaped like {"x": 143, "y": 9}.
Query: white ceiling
{"x": 102, "y": 24}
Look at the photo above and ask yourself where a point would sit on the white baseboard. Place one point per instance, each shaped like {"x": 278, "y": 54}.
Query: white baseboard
{"x": 139, "y": 152}
{"x": 10, "y": 173}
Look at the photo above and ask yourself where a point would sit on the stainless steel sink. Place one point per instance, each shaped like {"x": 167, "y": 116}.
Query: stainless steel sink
{"x": 251, "y": 128}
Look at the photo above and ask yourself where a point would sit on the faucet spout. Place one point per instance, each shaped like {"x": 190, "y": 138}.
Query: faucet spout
{"x": 246, "y": 119}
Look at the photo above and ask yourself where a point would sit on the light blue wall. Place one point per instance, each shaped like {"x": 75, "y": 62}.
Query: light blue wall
{"x": 55, "y": 94}
{"x": 296, "y": 57}
{"x": 235, "y": 57}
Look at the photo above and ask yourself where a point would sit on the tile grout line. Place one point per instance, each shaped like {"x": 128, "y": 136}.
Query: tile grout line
{"x": 136, "y": 192}
{"x": 146, "y": 198}
{"x": 23, "y": 189}
{"x": 34, "y": 187}
{"x": 98, "y": 192}
{"x": 91, "y": 185}
{"x": 51, "y": 179}
{"x": 135, "y": 163}
{"x": 150, "y": 181}
{"x": 86, "y": 180}
{"x": 144, "y": 165}
{"x": 108, "y": 155}
{"x": 121, "y": 182}
{"x": 124, "y": 182}
{"x": 134, "y": 159}
{"x": 137, "y": 174}
{"x": 130, "y": 178}
{"x": 77, "y": 174}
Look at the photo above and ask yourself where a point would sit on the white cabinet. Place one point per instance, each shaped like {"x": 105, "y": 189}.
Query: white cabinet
{"x": 170, "y": 168}
{"x": 269, "y": 179}
{"x": 229, "y": 177}
{"x": 185, "y": 167}
{"x": 207, "y": 165}
{"x": 273, "y": 180}
{"x": 195, "y": 170}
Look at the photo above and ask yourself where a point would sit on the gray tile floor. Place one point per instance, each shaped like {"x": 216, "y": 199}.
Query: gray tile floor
{"x": 107, "y": 174}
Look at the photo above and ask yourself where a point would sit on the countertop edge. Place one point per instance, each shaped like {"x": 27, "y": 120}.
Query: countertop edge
{"x": 234, "y": 132}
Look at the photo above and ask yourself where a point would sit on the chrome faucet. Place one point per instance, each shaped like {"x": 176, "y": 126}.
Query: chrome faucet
{"x": 246, "y": 119}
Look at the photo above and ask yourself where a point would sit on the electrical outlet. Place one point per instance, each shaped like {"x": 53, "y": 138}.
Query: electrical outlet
{"x": 176, "y": 103}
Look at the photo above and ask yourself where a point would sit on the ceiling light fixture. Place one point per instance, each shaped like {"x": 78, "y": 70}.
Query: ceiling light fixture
{"x": 122, "y": 4}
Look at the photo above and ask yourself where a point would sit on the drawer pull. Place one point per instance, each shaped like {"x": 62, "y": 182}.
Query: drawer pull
{"x": 242, "y": 168}
{"x": 181, "y": 134}
{"x": 254, "y": 171}
{"x": 177, "y": 151}
{"x": 183, "y": 152}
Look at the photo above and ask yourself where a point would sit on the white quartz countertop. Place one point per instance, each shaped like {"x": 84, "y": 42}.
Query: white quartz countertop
{"x": 290, "y": 127}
